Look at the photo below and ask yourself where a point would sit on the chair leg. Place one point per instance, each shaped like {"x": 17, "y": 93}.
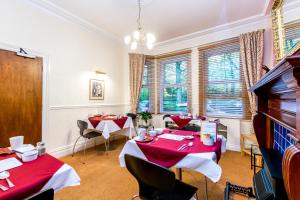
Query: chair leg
{"x": 206, "y": 193}
{"x": 108, "y": 143}
{"x": 106, "y": 148}
{"x": 84, "y": 150}
{"x": 135, "y": 196}
{"x": 75, "y": 145}
{"x": 196, "y": 196}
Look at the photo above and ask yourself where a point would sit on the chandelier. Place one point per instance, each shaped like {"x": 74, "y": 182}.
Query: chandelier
{"x": 139, "y": 37}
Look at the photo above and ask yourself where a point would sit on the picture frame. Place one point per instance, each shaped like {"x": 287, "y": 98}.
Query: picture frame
{"x": 96, "y": 89}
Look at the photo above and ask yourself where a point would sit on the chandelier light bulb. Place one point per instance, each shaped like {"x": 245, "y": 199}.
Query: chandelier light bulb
{"x": 127, "y": 39}
{"x": 133, "y": 46}
{"x": 136, "y": 35}
{"x": 149, "y": 45}
{"x": 150, "y": 38}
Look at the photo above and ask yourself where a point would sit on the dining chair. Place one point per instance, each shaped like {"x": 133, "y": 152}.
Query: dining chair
{"x": 43, "y": 195}
{"x": 87, "y": 134}
{"x": 157, "y": 182}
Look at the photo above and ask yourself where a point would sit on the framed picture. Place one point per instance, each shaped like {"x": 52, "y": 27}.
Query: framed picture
{"x": 96, "y": 89}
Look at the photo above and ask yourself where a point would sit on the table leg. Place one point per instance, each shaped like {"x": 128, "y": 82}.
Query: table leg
{"x": 179, "y": 173}
{"x": 206, "y": 193}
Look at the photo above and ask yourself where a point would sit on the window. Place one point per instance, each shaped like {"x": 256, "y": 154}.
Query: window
{"x": 222, "y": 88}
{"x": 146, "y": 93}
{"x": 174, "y": 84}
{"x": 292, "y": 35}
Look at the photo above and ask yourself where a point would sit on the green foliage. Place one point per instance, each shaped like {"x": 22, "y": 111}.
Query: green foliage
{"x": 145, "y": 116}
{"x": 290, "y": 43}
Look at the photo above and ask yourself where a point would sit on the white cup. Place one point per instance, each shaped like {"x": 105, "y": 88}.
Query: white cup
{"x": 142, "y": 133}
{"x": 152, "y": 133}
{"x": 16, "y": 142}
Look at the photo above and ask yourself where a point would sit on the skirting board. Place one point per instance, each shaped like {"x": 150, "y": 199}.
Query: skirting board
{"x": 68, "y": 149}
{"x": 232, "y": 147}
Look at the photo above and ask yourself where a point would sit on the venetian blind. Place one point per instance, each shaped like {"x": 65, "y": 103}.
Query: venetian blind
{"x": 174, "y": 91}
{"x": 147, "y": 93}
{"x": 292, "y": 35}
{"x": 222, "y": 89}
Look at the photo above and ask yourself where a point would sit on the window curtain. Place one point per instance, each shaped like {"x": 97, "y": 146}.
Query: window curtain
{"x": 136, "y": 70}
{"x": 251, "y": 49}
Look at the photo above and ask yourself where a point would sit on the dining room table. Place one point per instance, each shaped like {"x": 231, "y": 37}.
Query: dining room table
{"x": 29, "y": 178}
{"x": 183, "y": 120}
{"x": 166, "y": 151}
{"x": 111, "y": 123}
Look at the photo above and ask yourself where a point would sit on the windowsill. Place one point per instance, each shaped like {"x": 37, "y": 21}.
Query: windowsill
{"x": 225, "y": 117}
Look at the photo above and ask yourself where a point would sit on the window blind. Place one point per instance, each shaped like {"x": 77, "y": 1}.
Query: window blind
{"x": 292, "y": 35}
{"x": 222, "y": 89}
{"x": 147, "y": 93}
{"x": 174, "y": 93}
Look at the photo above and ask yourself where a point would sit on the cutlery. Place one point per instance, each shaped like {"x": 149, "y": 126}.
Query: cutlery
{"x": 190, "y": 144}
{"x": 3, "y": 188}
{"x": 5, "y": 175}
{"x": 181, "y": 147}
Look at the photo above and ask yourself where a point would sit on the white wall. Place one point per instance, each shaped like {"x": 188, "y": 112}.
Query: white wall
{"x": 73, "y": 53}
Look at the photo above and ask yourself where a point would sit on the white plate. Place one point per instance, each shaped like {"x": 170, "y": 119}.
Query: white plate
{"x": 137, "y": 138}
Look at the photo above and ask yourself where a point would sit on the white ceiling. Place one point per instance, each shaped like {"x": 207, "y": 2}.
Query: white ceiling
{"x": 167, "y": 19}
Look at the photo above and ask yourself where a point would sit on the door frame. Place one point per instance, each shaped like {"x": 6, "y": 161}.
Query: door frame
{"x": 45, "y": 84}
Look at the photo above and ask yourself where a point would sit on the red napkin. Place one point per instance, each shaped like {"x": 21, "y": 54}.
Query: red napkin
{"x": 95, "y": 120}
{"x": 164, "y": 152}
{"x": 121, "y": 122}
{"x": 181, "y": 122}
{"x": 30, "y": 177}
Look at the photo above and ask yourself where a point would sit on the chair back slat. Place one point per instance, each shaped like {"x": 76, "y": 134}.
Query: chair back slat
{"x": 150, "y": 174}
{"x": 82, "y": 126}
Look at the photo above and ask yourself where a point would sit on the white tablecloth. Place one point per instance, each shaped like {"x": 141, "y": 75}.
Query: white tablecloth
{"x": 204, "y": 163}
{"x": 109, "y": 126}
{"x": 64, "y": 177}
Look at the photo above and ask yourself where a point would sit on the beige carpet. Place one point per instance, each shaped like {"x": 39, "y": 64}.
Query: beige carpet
{"x": 102, "y": 178}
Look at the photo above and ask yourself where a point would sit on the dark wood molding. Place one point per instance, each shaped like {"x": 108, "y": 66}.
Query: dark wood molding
{"x": 278, "y": 101}
{"x": 291, "y": 171}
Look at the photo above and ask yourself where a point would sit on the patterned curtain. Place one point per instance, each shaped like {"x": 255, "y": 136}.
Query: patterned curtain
{"x": 136, "y": 69}
{"x": 252, "y": 48}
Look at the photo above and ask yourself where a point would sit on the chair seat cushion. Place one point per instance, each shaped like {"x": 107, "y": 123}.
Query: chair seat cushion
{"x": 91, "y": 133}
{"x": 181, "y": 191}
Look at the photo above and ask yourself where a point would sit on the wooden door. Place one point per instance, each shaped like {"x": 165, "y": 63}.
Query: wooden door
{"x": 20, "y": 97}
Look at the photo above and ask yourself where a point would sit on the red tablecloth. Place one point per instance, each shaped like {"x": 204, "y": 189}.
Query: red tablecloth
{"x": 97, "y": 119}
{"x": 181, "y": 122}
{"x": 30, "y": 177}
{"x": 164, "y": 152}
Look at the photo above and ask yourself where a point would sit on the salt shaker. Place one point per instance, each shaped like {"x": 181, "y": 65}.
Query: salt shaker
{"x": 41, "y": 147}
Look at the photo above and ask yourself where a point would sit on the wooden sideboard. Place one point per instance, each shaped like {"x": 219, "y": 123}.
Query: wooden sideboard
{"x": 278, "y": 105}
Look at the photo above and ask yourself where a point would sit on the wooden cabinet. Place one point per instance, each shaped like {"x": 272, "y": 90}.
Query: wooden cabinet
{"x": 278, "y": 101}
